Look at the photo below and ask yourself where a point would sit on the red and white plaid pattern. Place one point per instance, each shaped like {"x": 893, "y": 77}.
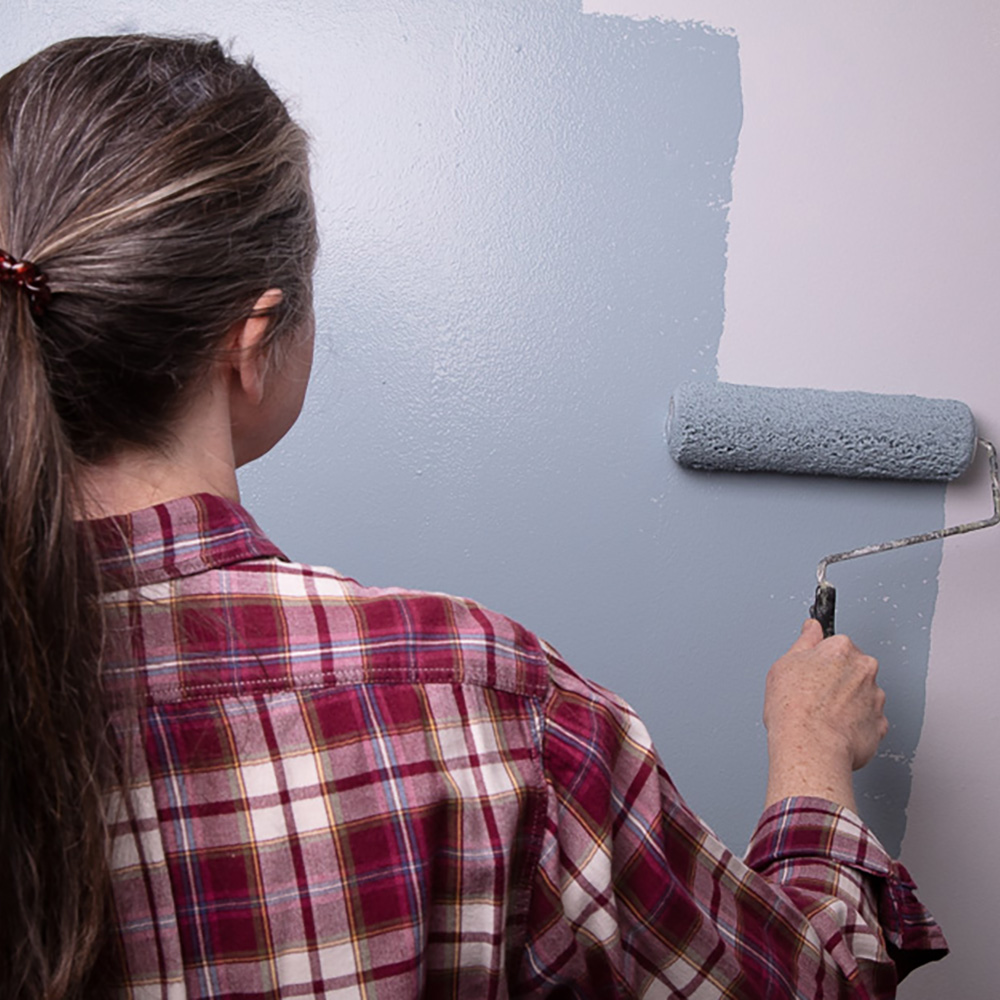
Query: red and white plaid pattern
{"x": 346, "y": 793}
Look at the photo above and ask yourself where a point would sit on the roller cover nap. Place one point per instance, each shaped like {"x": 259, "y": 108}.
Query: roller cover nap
{"x": 718, "y": 425}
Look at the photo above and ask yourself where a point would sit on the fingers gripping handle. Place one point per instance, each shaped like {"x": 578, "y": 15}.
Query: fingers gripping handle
{"x": 823, "y": 608}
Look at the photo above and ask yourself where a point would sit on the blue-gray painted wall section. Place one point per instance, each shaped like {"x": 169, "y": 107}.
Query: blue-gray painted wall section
{"x": 524, "y": 215}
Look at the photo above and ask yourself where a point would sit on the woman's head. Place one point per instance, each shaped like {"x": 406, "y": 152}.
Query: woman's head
{"x": 162, "y": 188}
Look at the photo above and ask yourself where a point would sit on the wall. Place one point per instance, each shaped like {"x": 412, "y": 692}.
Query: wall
{"x": 863, "y": 245}
{"x": 530, "y": 215}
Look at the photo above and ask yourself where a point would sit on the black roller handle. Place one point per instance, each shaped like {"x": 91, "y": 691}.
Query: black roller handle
{"x": 824, "y": 606}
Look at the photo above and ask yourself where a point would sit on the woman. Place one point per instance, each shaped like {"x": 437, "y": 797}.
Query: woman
{"x": 329, "y": 790}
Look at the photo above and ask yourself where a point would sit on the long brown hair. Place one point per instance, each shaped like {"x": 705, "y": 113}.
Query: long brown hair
{"x": 162, "y": 187}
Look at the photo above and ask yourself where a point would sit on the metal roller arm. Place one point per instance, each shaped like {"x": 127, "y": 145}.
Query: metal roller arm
{"x": 823, "y": 609}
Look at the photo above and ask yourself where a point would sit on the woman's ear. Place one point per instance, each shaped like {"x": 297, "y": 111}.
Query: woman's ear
{"x": 248, "y": 360}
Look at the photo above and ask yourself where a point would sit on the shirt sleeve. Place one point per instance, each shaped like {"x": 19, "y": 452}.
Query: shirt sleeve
{"x": 634, "y": 896}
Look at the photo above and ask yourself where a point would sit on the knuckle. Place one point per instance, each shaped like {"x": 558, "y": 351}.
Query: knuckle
{"x": 867, "y": 666}
{"x": 840, "y": 644}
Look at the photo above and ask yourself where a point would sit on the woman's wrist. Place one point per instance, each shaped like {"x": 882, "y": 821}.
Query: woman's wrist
{"x": 801, "y": 764}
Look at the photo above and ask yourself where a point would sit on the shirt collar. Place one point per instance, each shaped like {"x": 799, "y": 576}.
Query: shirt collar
{"x": 177, "y": 538}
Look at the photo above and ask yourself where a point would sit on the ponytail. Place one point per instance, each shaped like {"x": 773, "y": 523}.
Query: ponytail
{"x": 53, "y": 730}
{"x": 161, "y": 187}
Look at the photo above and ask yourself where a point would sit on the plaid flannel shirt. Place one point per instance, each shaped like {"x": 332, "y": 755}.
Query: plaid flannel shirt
{"x": 345, "y": 792}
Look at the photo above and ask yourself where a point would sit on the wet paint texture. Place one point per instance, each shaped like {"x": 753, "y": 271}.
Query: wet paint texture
{"x": 524, "y": 223}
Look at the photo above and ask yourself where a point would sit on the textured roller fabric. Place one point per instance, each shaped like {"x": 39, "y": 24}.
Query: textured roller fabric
{"x": 745, "y": 428}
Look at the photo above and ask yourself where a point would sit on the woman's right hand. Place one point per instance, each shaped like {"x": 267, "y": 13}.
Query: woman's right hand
{"x": 823, "y": 710}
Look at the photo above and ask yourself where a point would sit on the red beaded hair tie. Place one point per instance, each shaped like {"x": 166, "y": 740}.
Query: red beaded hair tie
{"x": 23, "y": 274}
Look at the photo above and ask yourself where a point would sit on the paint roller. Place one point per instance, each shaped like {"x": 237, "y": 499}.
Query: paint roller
{"x": 745, "y": 428}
